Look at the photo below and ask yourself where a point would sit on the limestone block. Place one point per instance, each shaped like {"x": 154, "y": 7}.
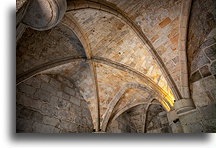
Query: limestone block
{"x": 63, "y": 104}
{"x": 213, "y": 67}
{"x": 26, "y": 89}
{"x": 42, "y": 128}
{"x": 48, "y": 87}
{"x": 36, "y": 116}
{"x": 68, "y": 126}
{"x": 75, "y": 100}
{"x": 195, "y": 76}
{"x": 50, "y": 120}
{"x": 211, "y": 52}
{"x": 69, "y": 91}
{"x": 199, "y": 60}
{"x": 207, "y": 43}
{"x": 205, "y": 71}
{"x": 42, "y": 95}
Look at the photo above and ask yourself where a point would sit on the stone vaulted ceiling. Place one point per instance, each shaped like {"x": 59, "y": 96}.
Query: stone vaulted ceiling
{"x": 119, "y": 53}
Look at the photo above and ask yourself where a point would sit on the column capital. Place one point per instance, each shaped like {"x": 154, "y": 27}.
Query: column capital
{"x": 184, "y": 105}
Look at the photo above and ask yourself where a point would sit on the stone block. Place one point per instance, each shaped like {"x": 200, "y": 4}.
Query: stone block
{"x": 54, "y": 101}
{"x": 56, "y": 130}
{"x": 209, "y": 83}
{"x": 63, "y": 104}
{"x": 199, "y": 60}
{"x": 44, "y": 78}
{"x": 207, "y": 43}
{"x": 42, "y": 95}
{"x": 64, "y": 115}
{"x": 68, "y": 126}
{"x": 209, "y": 125}
{"x": 75, "y": 100}
{"x": 49, "y": 110}
{"x": 48, "y": 87}
{"x": 195, "y": 76}
{"x": 24, "y": 113}
{"x": 50, "y": 120}
{"x": 165, "y": 22}
{"x": 205, "y": 71}
{"x": 65, "y": 96}
{"x": 24, "y": 125}
{"x": 211, "y": 52}
{"x": 194, "y": 128}
{"x": 55, "y": 83}
{"x": 209, "y": 111}
{"x": 36, "y": 116}
{"x": 213, "y": 67}
{"x": 26, "y": 89}
{"x": 42, "y": 128}
{"x": 69, "y": 91}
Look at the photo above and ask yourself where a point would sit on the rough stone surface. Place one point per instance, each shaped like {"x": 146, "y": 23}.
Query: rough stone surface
{"x": 36, "y": 48}
{"x": 51, "y": 113}
{"x": 201, "y": 52}
{"x": 137, "y": 120}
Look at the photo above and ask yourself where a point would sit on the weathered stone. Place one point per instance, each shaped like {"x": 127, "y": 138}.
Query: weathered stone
{"x": 51, "y": 121}
{"x": 69, "y": 91}
{"x": 199, "y": 60}
{"x": 65, "y": 96}
{"x": 42, "y": 128}
{"x": 205, "y": 71}
{"x": 42, "y": 95}
{"x": 49, "y": 110}
{"x": 207, "y": 43}
{"x": 44, "y": 78}
{"x": 213, "y": 67}
{"x": 48, "y": 87}
{"x": 208, "y": 111}
{"x": 24, "y": 125}
{"x": 26, "y": 89}
{"x": 75, "y": 100}
{"x": 62, "y": 104}
{"x": 68, "y": 126}
{"x": 24, "y": 113}
{"x": 165, "y": 22}
{"x": 36, "y": 116}
{"x": 55, "y": 83}
{"x": 195, "y": 76}
{"x": 211, "y": 52}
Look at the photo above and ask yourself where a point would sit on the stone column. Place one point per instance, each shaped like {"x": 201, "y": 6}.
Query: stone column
{"x": 188, "y": 115}
{"x": 44, "y": 14}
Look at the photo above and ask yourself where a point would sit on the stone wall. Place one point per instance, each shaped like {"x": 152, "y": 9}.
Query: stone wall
{"x": 136, "y": 120}
{"x": 51, "y": 104}
{"x": 122, "y": 124}
{"x": 201, "y": 61}
{"x": 201, "y": 52}
{"x": 156, "y": 120}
